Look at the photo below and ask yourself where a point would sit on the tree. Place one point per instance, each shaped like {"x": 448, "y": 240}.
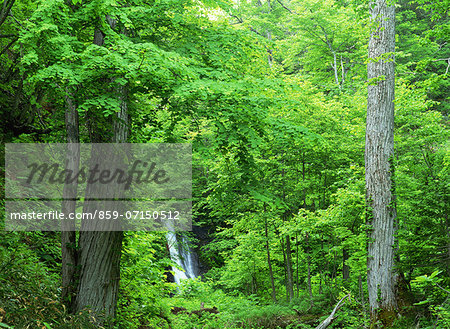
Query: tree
{"x": 379, "y": 152}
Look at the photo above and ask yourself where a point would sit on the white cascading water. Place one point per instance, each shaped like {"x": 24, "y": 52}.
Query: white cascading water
{"x": 181, "y": 254}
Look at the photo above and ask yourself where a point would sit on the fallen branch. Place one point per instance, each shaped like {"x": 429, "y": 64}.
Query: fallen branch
{"x": 325, "y": 323}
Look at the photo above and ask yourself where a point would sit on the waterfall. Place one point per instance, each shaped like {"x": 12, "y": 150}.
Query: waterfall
{"x": 183, "y": 256}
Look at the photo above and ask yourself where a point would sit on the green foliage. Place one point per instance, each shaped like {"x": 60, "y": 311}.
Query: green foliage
{"x": 436, "y": 298}
{"x": 143, "y": 281}
{"x": 234, "y": 311}
{"x": 29, "y": 285}
{"x": 272, "y": 96}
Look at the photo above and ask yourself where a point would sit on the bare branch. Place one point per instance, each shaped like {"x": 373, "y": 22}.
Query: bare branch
{"x": 238, "y": 18}
{"x": 441, "y": 59}
{"x": 448, "y": 292}
{"x": 253, "y": 30}
{"x": 289, "y": 10}
{"x": 325, "y": 323}
{"x": 16, "y": 20}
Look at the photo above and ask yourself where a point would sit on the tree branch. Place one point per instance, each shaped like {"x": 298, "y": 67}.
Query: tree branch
{"x": 238, "y": 18}
{"x": 16, "y": 20}
{"x": 325, "y": 323}
{"x": 253, "y": 30}
{"x": 289, "y": 10}
{"x": 444, "y": 59}
{"x": 9, "y": 45}
{"x": 7, "y": 4}
{"x": 448, "y": 292}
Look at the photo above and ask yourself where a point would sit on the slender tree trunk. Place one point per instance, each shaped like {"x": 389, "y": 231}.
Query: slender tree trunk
{"x": 288, "y": 259}
{"x": 321, "y": 267}
{"x": 308, "y": 261}
{"x": 289, "y": 274}
{"x": 335, "y": 68}
{"x": 285, "y": 270}
{"x": 298, "y": 266}
{"x": 345, "y": 267}
{"x": 68, "y": 235}
{"x": 269, "y": 262}
{"x": 379, "y": 152}
{"x": 303, "y": 179}
{"x": 342, "y": 72}
{"x": 254, "y": 280}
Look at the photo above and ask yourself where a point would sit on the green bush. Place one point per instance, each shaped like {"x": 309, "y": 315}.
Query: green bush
{"x": 29, "y": 293}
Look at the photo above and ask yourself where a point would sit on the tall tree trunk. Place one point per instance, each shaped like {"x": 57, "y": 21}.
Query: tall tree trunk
{"x": 289, "y": 274}
{"x": 68, "y": 235}
{"x": 285, "y": 269}
{"x": 99, "y": 273}
{"x": 308, "y": 261}
{"x": 379, "y": 152}
{"x": 298, "y": 266}
{"x": 269, "y": 262}
{"x": 288, "y": 258}
{"x": 321, "y": 267}
{"x": 100, "y": 251}
{"x": 303, "y": 179}
{"x": 335, "y": 68}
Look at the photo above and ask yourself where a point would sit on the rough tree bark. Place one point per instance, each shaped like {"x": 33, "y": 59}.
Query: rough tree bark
{"x": 379, "y": 151}
{"x": 68, "y": 236}
{"x": 100, "y": 251}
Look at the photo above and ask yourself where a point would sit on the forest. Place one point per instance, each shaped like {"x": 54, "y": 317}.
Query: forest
{"x": 317, "y": 175}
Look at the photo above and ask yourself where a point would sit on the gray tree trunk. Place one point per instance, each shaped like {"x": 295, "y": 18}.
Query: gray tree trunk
{"x": 379, "y": 151}
{"x": 100, "y": 251}
{"x": 68, "y": 235}
{"x": 99, "y": 273}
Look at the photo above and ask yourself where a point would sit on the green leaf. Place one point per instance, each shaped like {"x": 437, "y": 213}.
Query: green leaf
{"x": 434, "y": 274}
{"x": 4, "y": 325}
